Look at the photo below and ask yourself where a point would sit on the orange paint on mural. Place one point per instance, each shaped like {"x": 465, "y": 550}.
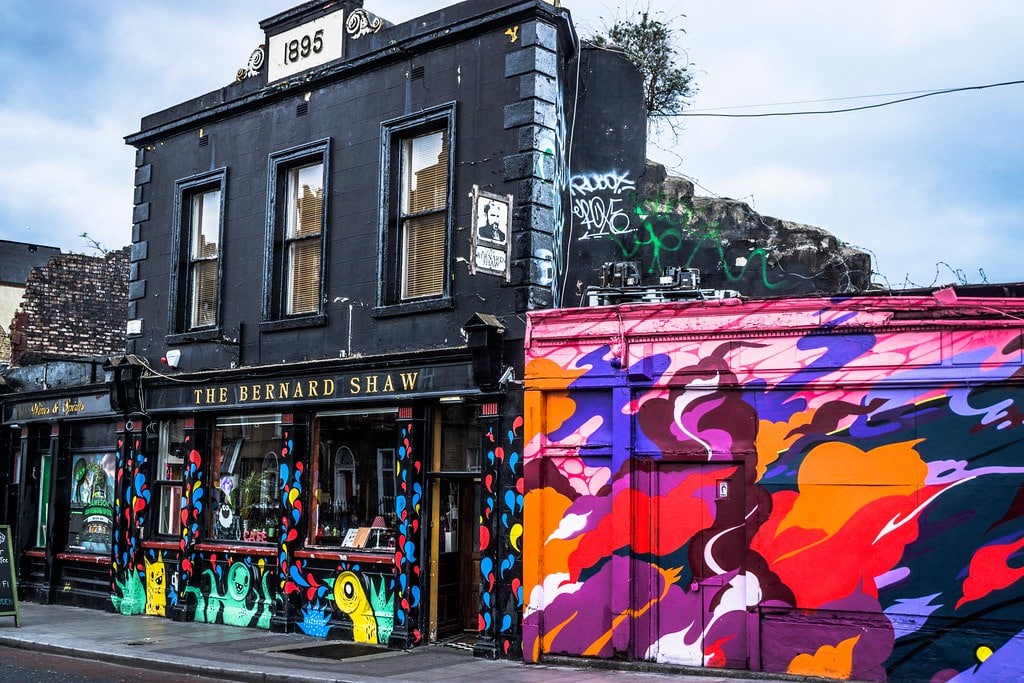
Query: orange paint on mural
{"x": 827, "y": 662}
{"x": 774, "y": 438}
{"x": 550, "y": 412}
{"x": 850, "y": 522}
{"x": 543, "y": 511}
{"x": 837, "y": 480}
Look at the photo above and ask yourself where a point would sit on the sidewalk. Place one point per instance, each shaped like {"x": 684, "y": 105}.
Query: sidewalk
{"x": 242, "y": 654}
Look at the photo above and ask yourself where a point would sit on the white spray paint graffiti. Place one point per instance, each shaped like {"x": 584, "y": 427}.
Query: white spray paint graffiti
{"x": 547, "y": 266}
{"x": 598, "y": 203}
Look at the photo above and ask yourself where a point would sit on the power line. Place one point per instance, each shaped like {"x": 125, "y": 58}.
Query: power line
{"x": 922, "y": 95}
{"x": 826, "y": 99}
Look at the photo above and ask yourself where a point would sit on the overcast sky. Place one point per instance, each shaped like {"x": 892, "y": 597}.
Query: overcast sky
{"x": 933, "y": 188}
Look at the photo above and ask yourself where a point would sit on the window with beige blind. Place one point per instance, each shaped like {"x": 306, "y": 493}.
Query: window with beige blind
{"x": 204, "y": 257}
{"x": 196, "y": 255}
{"x": 303, "y": 237}
{"x": 417, "y": 182}
{"x": 296, "y": 233}
{"x": 424, "y": 192}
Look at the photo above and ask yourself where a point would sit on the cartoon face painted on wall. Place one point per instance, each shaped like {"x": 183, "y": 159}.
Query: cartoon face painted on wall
{"x": 156, "y": 588}
{"x": 239, "y": 578}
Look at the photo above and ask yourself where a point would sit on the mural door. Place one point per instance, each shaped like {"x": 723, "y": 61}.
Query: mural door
{"x": 696, "y": 587}
{"x": 457, "y": 587}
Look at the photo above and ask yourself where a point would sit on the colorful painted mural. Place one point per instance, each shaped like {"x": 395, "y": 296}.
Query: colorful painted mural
{"x": 408, "y": 506}
{"x": 501, "y": 538}
{"x": 235, "y": 593}
{"x": 807, "y": 486}
{"x": 336, "y": 595}
{"x": 131, "y": 506}
{"x": 192, "y": 502}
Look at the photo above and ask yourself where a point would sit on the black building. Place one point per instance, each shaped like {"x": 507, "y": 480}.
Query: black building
{"x": 320, "y": 408}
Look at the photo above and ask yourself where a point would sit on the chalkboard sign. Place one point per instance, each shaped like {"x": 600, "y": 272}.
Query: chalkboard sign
{"x": 8, "y": 580}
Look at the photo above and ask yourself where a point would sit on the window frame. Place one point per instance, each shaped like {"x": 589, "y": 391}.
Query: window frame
{"x": 82, "y": 530}
{"x": 180, "y": 289}
{"x": 168, "y": 478}
{"x": 275, "y": 270}
{"x": 226, "y": 460}
{"x": 392, "y": 254}
{"x": 372, "y": 476}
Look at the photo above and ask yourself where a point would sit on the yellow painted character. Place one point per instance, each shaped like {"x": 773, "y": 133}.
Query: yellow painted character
{"x": 350, "y": 598}
{"x": 156, "y": 588}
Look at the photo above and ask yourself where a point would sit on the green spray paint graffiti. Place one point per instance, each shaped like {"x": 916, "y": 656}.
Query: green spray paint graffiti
{"x": 667, "y": 224}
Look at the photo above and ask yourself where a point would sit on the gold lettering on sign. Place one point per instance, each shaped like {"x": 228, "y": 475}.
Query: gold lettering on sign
{"x": 318, "y": 388}
{"x": 41, "y": 409}
{"x": 72, "y": 408}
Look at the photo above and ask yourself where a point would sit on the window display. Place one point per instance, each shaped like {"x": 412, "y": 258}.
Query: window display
{"x": 245, "y": 479}
{"x": 92, "y": 503}
{"x": 354, "y": 481}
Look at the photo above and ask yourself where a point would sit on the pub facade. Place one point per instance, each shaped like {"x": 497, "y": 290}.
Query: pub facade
{"x": 316, "y": 424}
{"x": 330, "y": 258}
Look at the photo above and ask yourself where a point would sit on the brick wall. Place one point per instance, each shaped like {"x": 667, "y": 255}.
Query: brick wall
{"x": 74, "y": 306}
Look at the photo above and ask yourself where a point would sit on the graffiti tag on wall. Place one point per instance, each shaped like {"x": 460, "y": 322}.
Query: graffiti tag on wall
{"x": 599, "y": 203}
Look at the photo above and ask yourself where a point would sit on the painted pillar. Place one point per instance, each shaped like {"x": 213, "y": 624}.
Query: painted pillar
{"x": 131, "y": 509}
{"x": 409, "y": 471}
{"x": 292, "y": 480}
{"x": 193, "y": 501}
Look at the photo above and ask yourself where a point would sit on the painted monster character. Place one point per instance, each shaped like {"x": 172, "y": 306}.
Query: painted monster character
{"x": 350, "y": 598}
{"x": 240, "y": 602}
{"x": 130, "y": 595}
{"x": 156, "y": 586}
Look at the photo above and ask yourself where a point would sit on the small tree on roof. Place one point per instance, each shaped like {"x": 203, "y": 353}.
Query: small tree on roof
{"x": 649, "y": 41}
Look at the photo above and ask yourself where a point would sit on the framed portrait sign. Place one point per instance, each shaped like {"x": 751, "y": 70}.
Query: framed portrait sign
{"x": 491, "y": 239}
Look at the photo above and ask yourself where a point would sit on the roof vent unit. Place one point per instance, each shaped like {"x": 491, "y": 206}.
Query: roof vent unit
{"x": 620, "y": 284}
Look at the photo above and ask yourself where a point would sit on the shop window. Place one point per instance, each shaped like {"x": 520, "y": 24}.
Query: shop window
{"x": 91, "y": 523}
{"x": 43, "y": 509}
{"x": 245, "y": 479}
{"x": 296, "y": 233}
{"x": 170, "y": 463}
{"x": 196, "y": 254}
{"x": 416, "y": 229}
{"x": 353, "y": 500}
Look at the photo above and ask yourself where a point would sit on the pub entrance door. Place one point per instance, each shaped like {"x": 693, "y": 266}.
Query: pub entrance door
{"x": 457, "y": 563}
